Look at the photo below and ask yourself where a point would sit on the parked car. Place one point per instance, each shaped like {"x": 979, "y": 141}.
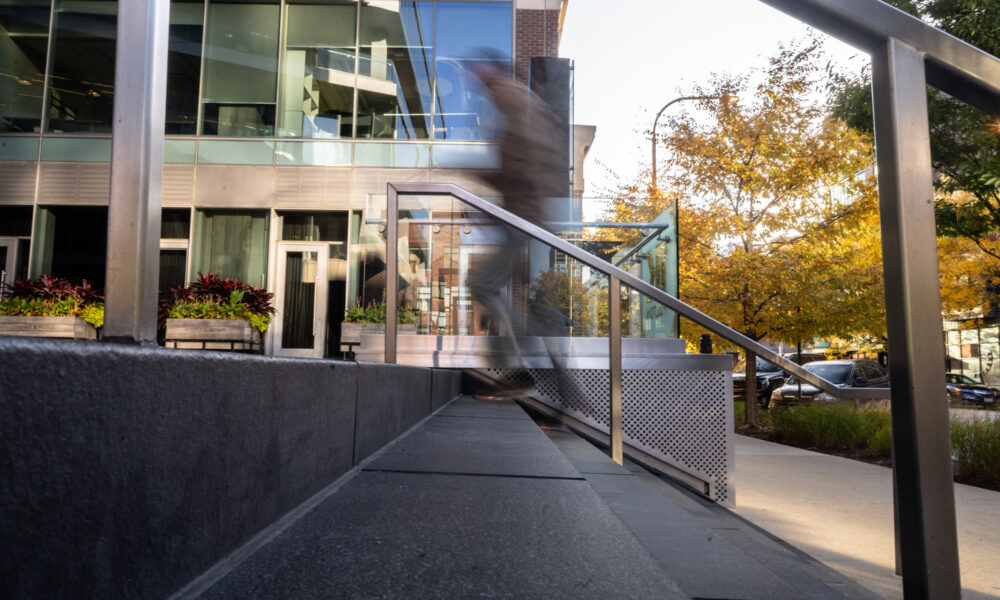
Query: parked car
{"x": 966, "y": 390}
{"x": 842, "y": 373}
{"x": 769, "y": 376}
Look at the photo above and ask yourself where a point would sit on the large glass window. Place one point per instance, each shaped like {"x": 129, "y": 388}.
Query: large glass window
{"x": 184, "y": 65}
{"x": 241, "y": 65}
{"x": 24, "y": 33}
{"x": 314, "y": 227}
{"x": 71, "y": 242}
{"x": 232, "y": 244}
{"x": 175, "y": 226}
{"x": 317, "y": 89}
{"x": 82, "y": 73}
{"x": 465, "y": 111}
{"x": 395, "y": 69}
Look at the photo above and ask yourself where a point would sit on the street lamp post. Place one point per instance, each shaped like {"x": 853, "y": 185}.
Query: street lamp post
{"x": 726, "y": 98}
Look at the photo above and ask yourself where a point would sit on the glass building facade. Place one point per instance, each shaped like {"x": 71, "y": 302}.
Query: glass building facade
{"x": 284, "y": 121}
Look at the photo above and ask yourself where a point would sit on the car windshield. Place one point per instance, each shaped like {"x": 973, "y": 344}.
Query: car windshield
{"x": 836, "y": 374}
{"x": 963, "y": 379}
{"x": 766, "y": 367}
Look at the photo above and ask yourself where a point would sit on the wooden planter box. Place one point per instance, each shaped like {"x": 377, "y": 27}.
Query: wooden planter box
{"x": 350, "y": 333}
{"x": 67, "y": 328}
{"x": 212, "y": 334}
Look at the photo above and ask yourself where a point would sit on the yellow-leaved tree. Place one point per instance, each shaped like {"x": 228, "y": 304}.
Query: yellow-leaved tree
{"x": 778, "y": 216}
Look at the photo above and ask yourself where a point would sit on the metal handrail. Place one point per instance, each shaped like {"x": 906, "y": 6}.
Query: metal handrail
{"x": 616, "y": 275}
{"x": 642, "y": 244}
{"x": 952, "y": 65}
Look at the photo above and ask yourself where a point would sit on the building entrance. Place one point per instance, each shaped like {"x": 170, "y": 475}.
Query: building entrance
{"x": 301, "y": 300}
{"x": 310, "y": 297}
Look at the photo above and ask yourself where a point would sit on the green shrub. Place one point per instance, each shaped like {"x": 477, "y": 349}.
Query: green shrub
{"x": 881, "y": 442}
{"x": 975, "y": 446}
{"x": 739, "y": 410}
{"x": 52, "y": 297}
{"x": 93, "y": 314}
{"x": 375, "y": 313}
{"x": 831, "y": 426}
{"x": 211, "y": 297}
{"x": 234, "y": 308}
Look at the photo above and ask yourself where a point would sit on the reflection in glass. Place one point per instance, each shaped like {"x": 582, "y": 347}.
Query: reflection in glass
{"x": 324, "y": 154}
{"x": 375, "y": 154}
{"x": 230, "y": 243}
{"x": 336, "y": 295}
{"x": 989, "y": 363}
{"x": 299, "y": 300}
{"x": 234, "y": 152}
{"x": 435, "y": 261}
{"x": 314, "y": 227}
{"x": 643, "y": 317}
{"x": 394, "y": 90}
{"x": 78, "y": 149}
{"x": 317, "y": 95}
{"x": 175, "y": 224}
{"x": 15, "y": 221}
{"x": 172, "y": 266}
{"x": 241, "y": 63}
{"x": 566, "y": 297}
{"x": 18, "y": 148}
{"x": 24, "y": 29}
{"x": 184, "y": 65}
{"x": 71, "y": 242}
{"x": 82, "y": 76}
{"x": 179, "y": 151}
{"x": 464, "y": 110}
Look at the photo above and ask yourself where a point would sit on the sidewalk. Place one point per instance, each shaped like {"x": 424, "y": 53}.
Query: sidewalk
{"x": 840, "y": 512}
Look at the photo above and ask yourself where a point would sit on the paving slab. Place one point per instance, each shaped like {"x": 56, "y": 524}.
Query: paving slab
{"x": 709, "y": 551}
{"x": 840, "y": 511}
{"x": 477, "y": 444}
{"x": 482, "y": 409}
{"x": 403, "y": 535}
{"x": 476, "y": 504}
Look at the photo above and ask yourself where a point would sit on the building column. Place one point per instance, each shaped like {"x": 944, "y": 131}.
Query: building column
{"x": 133, "y": 259}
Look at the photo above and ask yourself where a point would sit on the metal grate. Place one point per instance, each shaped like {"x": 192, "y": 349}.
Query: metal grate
{"x": 681, "y": 417}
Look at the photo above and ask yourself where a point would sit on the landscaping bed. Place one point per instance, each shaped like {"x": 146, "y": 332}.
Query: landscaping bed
{"x": 865, "y": 435}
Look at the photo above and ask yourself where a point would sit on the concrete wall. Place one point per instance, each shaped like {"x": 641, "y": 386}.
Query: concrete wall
{"x": 128, "y": 472}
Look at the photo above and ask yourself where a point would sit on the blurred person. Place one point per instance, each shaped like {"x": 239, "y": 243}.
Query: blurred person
{"x": 528, "y": 178}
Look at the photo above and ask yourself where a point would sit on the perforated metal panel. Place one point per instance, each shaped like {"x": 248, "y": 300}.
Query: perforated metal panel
{"x": 682, "y": 417}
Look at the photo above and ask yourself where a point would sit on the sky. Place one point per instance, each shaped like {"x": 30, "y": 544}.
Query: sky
{"x": 633, "y": 56}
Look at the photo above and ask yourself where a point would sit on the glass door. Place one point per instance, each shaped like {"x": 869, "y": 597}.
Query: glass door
{"x": 8, "y": 260}
{"x": 301, "y": 300}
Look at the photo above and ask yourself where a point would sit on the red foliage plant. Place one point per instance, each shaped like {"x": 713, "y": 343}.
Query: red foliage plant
{"x": 44, "y": 287}
{"x": 212, "y": 288}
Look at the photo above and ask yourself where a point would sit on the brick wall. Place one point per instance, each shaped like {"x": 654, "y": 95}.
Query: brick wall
{"x": 537, "y": 35}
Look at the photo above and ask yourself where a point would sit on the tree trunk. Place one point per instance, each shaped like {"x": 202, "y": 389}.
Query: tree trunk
{"x": 750, "y": 392}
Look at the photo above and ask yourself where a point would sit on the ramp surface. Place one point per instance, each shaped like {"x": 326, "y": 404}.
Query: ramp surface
{"x": 475, "y": 502}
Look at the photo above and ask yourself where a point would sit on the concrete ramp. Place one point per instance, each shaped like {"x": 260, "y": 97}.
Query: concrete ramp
{"x": 478, "y": 501}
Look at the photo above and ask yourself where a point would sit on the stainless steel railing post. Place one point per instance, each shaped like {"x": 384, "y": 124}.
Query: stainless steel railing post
{"x": 615, "y": 366}
{"x": 391, "y": 272}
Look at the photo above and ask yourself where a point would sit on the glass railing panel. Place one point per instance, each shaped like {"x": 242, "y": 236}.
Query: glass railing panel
{"x": 644, "y": 317}
{"x": 442, "y": 243}
{"x": 565, "y": 297}
{"x": 450, "y": 254}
